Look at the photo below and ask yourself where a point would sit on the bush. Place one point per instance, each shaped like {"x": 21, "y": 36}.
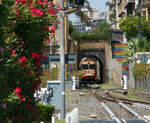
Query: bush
{"x": 142, "y": 70}
{"x": 44, "y": 112}
{"x": 60, "y": 121}
{"x": 49, "y": 75}
{"x": 24, "y": 27}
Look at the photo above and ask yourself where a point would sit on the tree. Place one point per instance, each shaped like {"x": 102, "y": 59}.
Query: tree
{"x": 133, "y": 26}
{"x": 24, "y": 27}
{"x": 102, "y": 32}
{"x": 72, "y": 31}
{"x": 137, "y": 45}
{"x": 104, "y": 29}
{"x": 137, "y": 30}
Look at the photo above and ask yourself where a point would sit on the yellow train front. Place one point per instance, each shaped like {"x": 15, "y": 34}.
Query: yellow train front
{"x": 88, "y": 70}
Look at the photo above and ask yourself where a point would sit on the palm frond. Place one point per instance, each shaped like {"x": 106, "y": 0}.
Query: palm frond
{"x": 83, "y": 17}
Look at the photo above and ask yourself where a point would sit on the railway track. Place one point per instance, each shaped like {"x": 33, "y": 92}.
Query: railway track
{"x": 91, "y": 101}
{"x": 125, "y": 106}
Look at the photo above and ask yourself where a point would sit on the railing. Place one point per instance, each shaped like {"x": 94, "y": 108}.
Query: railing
{"x": 142, "y": 84}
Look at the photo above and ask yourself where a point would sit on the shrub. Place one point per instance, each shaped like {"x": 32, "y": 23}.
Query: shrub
{"x": 141, "y": 70}
{"x": 44, "y": 112}
{"x": 24, "y": 27}
{"x": 49, "y": 75}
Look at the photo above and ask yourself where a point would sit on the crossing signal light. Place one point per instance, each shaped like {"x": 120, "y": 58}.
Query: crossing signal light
{"x": 79, "y": 2}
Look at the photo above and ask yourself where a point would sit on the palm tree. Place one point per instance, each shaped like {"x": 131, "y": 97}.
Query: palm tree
{"x": 83, "y": 17}
{"x": 137, "y": 45}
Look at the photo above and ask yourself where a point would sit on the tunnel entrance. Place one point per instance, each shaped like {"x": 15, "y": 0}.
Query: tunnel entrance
{"x": 99, "y": 57}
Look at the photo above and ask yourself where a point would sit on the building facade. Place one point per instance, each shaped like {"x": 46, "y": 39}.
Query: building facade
{"x": 93, "y": 14}
{"x": 110, "y": 12}
{"x": 95, "y": 18}
{"x": 124, "y": 8}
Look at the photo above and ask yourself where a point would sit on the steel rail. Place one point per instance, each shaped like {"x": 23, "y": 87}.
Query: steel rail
{"x": 115, "y": 99}
{"x": 112, "y": 115}
{"x": 139, "y": 105}
{"x": 133, "y": 112}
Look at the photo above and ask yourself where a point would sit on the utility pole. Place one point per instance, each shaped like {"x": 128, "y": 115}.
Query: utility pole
{"x": 62, "y": 37}
{"x": 62, "y": 56}
{"x": 66, "y": 35}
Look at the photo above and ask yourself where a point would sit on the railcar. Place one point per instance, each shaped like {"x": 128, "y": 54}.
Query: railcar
{"x": 88, "y": 67}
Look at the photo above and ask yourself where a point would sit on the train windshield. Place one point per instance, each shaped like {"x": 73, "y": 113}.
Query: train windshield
{"x": 84, "y": 67}
{"x": 92, "y": 66}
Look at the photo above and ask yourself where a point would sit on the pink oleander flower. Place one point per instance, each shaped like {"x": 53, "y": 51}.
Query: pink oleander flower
{"x": 10, "y": 119}
{"x": 37, "y": 63}
{"x": 21, "y": 1}
{"x": 37, "y": 72}
{"x": 13, "y": 52}
{"x": 35, "y": 86}
{"x": 32, "y": 14}
{"x": 52, "y": 12}
{"x": 52, "y": 29}
{"x": 17, "y": 90}
{"x": 22, "y": 59}
{"x": 59, "y": 7}
{"x": 34, "y": 11}
{"x": 40, "y": 2}
{"x": 23, "y": 99}
{"x": 30, "y": 108}
{"x": 14, "y": 22}
{"x": 58, "y": 21}
{"x": 36, "y": 55}
{"x": 22, "y": 42}
{"x": 4, "y": 106}
{"x": 18, "y": 95}
{"x": 46, "y": 1}
{"x": 50, "y": 5}
{"x": 39, "y": 12}
{"x": 17, "y": 13}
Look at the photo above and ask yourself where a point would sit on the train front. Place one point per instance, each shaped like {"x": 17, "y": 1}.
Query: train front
{"x": 88, "y": 70}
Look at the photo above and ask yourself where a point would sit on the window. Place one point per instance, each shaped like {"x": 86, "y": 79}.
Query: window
{"x": 92, "y": 66}
{"x": 84, "y": 67}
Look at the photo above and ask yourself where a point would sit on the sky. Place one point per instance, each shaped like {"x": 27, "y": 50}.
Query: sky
{"x": 98, "y": 4}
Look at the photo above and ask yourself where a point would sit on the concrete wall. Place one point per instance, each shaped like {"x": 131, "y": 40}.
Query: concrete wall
{"x": 114, "y": 69}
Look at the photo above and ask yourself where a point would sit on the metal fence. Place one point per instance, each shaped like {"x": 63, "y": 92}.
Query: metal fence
{"x": 142, "y": 84}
